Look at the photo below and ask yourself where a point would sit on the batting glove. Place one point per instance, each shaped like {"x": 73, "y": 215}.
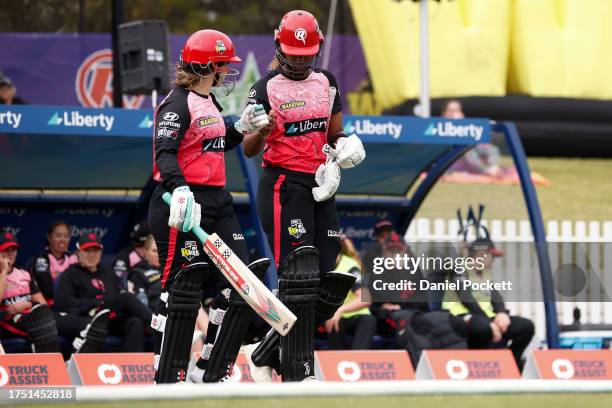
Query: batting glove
{"x": 253, "y": 118}
{"x": 185, "y": 213}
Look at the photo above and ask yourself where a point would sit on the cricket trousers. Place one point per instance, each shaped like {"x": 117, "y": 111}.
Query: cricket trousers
{"x": 292, "y": 218}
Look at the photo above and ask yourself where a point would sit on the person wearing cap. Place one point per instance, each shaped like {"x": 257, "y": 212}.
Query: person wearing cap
{"x": 86, "y": 288}
{"x": 53, "y": 259}
{"x": 385, "y": 305}
{"x": 8, "y": 92}
{"x": 482, "y": 315}
{"x": 21, "y": 295}
{"x": 382, "y": 231}
{"x": 133, "y": 254}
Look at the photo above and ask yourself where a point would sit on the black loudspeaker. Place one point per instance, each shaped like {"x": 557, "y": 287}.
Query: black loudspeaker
{"x": 144, "y": 55}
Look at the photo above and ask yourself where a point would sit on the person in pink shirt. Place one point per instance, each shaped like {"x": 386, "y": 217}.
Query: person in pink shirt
{"x": 53, "y": 259}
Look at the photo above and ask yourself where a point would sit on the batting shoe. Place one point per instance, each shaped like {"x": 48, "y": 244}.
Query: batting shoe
{"x": 196, "y": 376}
{"x": 93, "y": 337}
{"x": 259, "y": 374}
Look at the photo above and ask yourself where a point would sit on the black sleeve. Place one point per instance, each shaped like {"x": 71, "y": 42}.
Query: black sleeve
{"x": 467, "y": 299}
{"x": 67, "y": 296}
{"x": 499, "y": 306}
{"x": 39, "y": 268}
{"x": 137, "y": 278}
{"x": 33, "y": 285}
{"x": 258, "y": 94}
{"x": 172, "y": 120}
{"x": 112, "y": 283}
{"x": 232, "y": 137}
{"x": 337, "y": 106}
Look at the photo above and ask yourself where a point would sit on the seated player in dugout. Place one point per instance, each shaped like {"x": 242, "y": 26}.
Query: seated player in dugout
{"x": 353, "y": 317}
{"x": 54, "y": 259}
{"x": 25, "y": 313}
{"x": 482, "y": 316}
{"x": 133, "y": 254}
{"x": 86, "y": 288}
{"x": 387, "y": 303}
{"x": 302, "y": 158}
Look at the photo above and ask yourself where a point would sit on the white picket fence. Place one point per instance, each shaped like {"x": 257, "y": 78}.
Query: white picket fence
{"x": 586, "y": 244}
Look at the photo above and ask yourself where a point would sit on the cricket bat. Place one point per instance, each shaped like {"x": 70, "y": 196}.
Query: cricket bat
{"x": 252, "y": 290}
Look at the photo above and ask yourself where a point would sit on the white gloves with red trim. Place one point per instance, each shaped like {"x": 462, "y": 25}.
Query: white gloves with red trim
{"x": 327, "y": 177}
{"x": 349, "y": 152}
{"x": 253, "y": 118}
{"x": 185, "y": 213}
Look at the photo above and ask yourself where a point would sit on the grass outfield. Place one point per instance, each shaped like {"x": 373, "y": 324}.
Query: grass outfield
{"x": 580, "y": 190}
{"x": 455, "y": 401}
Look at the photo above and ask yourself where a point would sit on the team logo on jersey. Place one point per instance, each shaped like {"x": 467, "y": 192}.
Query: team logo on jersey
{"x": 220, "y": 47}
{"x": 98, "y": 284}
{"x": 41, "y": 265}
{"x": 305, "y": 126}
{"x": 292, "y": 104}
{"x": 251, "y": 99}
{"x": 214, "y": 145}
{"x": 93, "y": 82}
{"x": 300, "y": 35}
{"x": 190, "y": 250}
{"x": 297, "y": 228}
{"x": 209, "y": 120}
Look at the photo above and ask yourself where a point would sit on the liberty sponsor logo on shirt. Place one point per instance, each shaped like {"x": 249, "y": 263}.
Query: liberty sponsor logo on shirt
{"x": 13, "y": 300}
{"x": 305, "y": 126}
{"x": 292, "y": 104}
{"x": 297, "y": 228}
{"x": 369, "y": 127}
{"x": 450, "y": 129}
{"x": 190, "y": 250}
{"x": 9, "y": 118}
{"x": 208, "y": 120}
{"x": 78, "y": 119}
{"x": 214, "y": 145}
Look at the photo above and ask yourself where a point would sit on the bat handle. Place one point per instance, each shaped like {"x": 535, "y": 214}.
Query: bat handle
{"x": 197, "y": 230}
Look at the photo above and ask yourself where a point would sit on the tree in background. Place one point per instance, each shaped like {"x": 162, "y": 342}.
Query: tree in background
{"x": 182, "y": 16}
